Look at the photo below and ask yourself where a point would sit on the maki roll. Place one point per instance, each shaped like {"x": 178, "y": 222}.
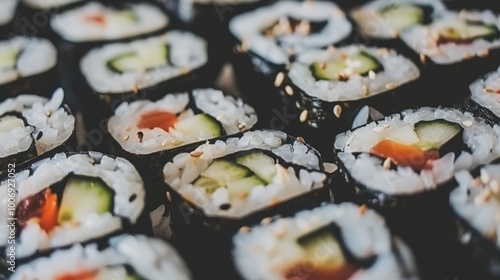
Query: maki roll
{"x": 7, "y": 12}
{"x": 47, "y": 4}
{"x": 176, "y": 59}
{"x": 94, "y": 21}
{"x": 485, "y": 97}
{"x": 328, "y": 89}
{"x": 384, "y": 19}
{"x": 404, "y": 167}
{"x": 475, "y": 203}
{"x": 269, "y": 38}
{"x": 329, "y": 242}
{"x": 31, "y": 126}
{"x": 146, "y": 127}
{"x": 71, "y": 198}
{"x": 27, "y": 64}
{"x": 124, "y": 257}
{"x": 217, "y": 187}
{"x": 459, "y": 46}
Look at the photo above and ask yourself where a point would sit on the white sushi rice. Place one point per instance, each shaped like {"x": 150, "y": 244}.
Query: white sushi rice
{"x": 230, "y": 112}
{"x": 374, "y": 25}
{"x": 398, "y": 70}
{"x": 248, "y": 28}
{"x": 286, "y": 184}
{"x": 48, "y": 4}
{"x": 476, "y": 201}
{"x": 420, "y": 37}
{"x": 151, "y": 258}
{"x": 273, "y": 248}
{"x": 119, "y": 174}
{"x": 7, "y": 11}
{"x": 36, "y": 55}
{"x": 482, "y": 140}
{"x": 486, "y": 92}
{"x": 187, "y": 53}
{"x": 45, "y": 117}
{"x": 74, "y": 25}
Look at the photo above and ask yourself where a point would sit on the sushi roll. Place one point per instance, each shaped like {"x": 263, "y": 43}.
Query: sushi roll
{"x": 7, "y": 12}
{"x": 175, "y": 60}
{"x": 47, "y": 4}
{"x": 328, "y": 88}
{"x": 27, "y": 65}
{"x": 404, "y": 166}
{"x": 329, "y": 242}
{"x": 216, "y": 187}
{"x": 93, "y": 21}
{"x": 476, "y": 205}
{"x": 383, "y": 20}
{"x": 269, "y": 38}
{"x": 484, "y": 97}
{"x": 146, "y": 127}
{"x": 124, "y": 257}
{"x": 31, "y": 126}
{"x": 456, "y": 45}
{"x": 70, "y": 198}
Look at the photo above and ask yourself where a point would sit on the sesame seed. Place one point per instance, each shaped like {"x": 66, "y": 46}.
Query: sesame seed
{"x": 337, "y": 110}
{"x": 266, "y": 221}
{"x": 485, "y": 177}
{"x": 245, "y": 229}
{"x": 362, "y": 209}
{"x": 423, "y": 58}
{"x": 128, "y": 128}
{"x": 489, "y": 90}
{"x": 177, "y": 142}
{"x": 387, "y": 163}
{"x": 289, "y": 90}
{"x": 372, "y": 75}
{"x": 244, "y": 46}
{"x": 365, "y": 90}
{"x": 49, "y": 113}
{"x": 140, "y": 136}
{"x": 378, "y": 129}
{"x": 483, "y": 53}
{"x": 301, "y": 139}
{"x": 279, "y": 79}
{"x": 169, "y": 196}
{"x": 241, "y": 126}
{"x": 391, "y": 86}
{"x": 468, "y": 55}
{"x": 303, "y": 116}
{"x": 125, "y": 138}
{"x": 196, "y": 154}
{"x": 467, "y": 123}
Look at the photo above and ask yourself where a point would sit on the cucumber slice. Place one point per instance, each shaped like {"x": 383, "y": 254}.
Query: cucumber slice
{"x": 224, "y": 171}
{"x": 319, "y": 239}
{"x": 241, "y": 188}
{"x": 83, "y": 195}
{"x": 260, "y": 163}
{"x": 148, "y": 57}
{"x": 466, "y": 32}
{"x": 434, "y": 134}
{"x": 404, "y": 135}
{"x": 8, "y": 58}
{"x": 8, "y": 123}
{"x": 402, "y": 16}
{"x": 201, "y": 126}
{"x": 210, "y": 184}
{"x": 122, "y": 18}
{"x": 341, "y": 68}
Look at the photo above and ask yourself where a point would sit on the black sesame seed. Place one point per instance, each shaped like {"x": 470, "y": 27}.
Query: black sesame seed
{"x": 225, "y": 206}
{"x": 40, "y": 134}
{"x": 132, "y": 197}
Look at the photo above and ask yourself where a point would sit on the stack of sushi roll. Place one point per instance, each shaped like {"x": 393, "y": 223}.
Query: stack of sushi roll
{"x": 404, "y": 167}
{"x": 329, "y": 242}
{"x": 31, "y": 125}
{"x": 27, "y": 65}
{"x": 269, "y": 38}
{"x": 484, "y": 97}
{"x": 455, "y": 45}
{"x": 123, "y": 257}
{"x": 7, "y": 12}
{"x": 71, "y": 198}
{"x": 217, "y": 187}
{"x": 381, "y": 21}
{"x": 476, "y": 205}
